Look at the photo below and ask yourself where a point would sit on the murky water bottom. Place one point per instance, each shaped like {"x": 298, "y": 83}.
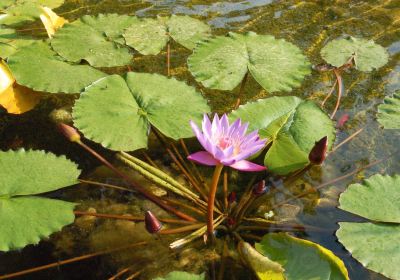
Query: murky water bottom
{"x": 307, "y": 24}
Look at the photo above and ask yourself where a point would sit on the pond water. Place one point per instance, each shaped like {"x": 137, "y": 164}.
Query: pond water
{"x": 307, "y": 24}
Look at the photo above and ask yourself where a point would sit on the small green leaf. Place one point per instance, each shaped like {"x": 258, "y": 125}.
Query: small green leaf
{"x": 377, "y": 198}
{"x": 302, "y": 259}
{"x": 34, "y": 172}
{"x": 36, "y": 66}
{"x": 376, "y": 246}
{"x": 26, "y": 220}
{"x": 149, "y": 36}
{"x": 222, "y": 62}
{"x": 182, "y": 275}
{"x": 263, "y": 267}
{"x": 96, "y": 40}
{"x": 10, "y": 42}
{"x": 293, "y": 126}
{"x": 117, "y": 112}
{"x": 367, "y": 55}
{"x": 389, "y": 112}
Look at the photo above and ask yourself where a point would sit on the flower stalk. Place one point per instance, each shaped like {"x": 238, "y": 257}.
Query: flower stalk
{"x": 211, "y": 200}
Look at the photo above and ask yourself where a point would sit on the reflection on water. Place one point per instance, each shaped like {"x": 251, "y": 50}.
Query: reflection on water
{"x": 309, "y": 25}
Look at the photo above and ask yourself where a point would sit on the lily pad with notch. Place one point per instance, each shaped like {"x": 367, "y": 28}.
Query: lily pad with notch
{"x": 223, "y": 61}
{"x": 25, "y": 217}
{"x": 117, "y": 111}
{"x": 371, "y": 242}
{"x": 389, "y": 112}
{"x": 292, "y": 124}
{"x": 150, "y": 36}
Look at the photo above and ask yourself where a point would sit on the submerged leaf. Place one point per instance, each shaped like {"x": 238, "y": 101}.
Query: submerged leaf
{"x": 39, "y": 68}
{"x": 182, "y": 275}
{"x": 149, "y": 36}
{"x": 389, "y": 112}
{"x": 10, "y": 42}
{"x": 264, "y": 268}
{"x": 293, "y": 126}
{"x": 96, "y": 40}
{"x": 14, "y": 98}
{"x": 366, "y": 54}
{"x": 117, "y": 112}
{"x": 26, "y": 219}
{"x": 222, "y": 62}
{"x": 302, "y": 259}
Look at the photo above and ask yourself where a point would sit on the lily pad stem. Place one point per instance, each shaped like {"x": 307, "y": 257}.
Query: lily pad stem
{"x": 340, "y": 86}
{"x": 211, "y": 200}
{"x": 168, "y": 59}
{"x": 242, "y": 85}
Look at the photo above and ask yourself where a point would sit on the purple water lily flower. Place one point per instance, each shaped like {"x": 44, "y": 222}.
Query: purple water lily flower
{"x": 227, "y": 144}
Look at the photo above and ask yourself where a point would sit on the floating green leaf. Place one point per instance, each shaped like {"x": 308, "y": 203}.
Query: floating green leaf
{"x": 117, "y": 112}
{"x": 367, "y": 55}
{"x": 182, "y": 275}
{"x": 222, "y": 62}
{"x": 263, "y": 267}
{"x": 376, "y": 246}
{"x": 25, "y": 218}
{"x": 21, "y": 11}
{"x": 376, "y": 199}
{"x": 36, "y": 66}
{"x": 389, "y": 112}
{"x": 149, "y": 36}
{"x": 302, "y": 259}
{"x": 96, "y": 40}
{"x": 293, "y": 126}
{"x": 10, "y": 42}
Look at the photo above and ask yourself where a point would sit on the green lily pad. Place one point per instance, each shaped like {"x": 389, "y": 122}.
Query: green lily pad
{"x": 222, "y": 62}
{"x": 367, "y": 55}
{"x": 389, "y": 112}
{"x": 36, "y": 66}
{"x": 22, "y": 11}
{"x": 293, "y": 126}
{"x": 10, "y": 42}
{"x": 377, "y": 198}
{"x": 96, "y": 40}
{"x": 149, "y": 36}
{"x": 182, "y": 275}
{"x": 25, "y": 218}
{"x": 375, "y": 245}
{"x": 302, "y": 259}
{"x": 263, "y": 267}
{"x": 117, "y": 112}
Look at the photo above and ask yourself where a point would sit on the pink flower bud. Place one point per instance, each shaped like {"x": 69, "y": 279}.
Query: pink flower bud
{"x": 69, "y": 132}
{"x": 260, "y": 188}
{"x": 153, "y": 225}
{"x": 319, "y": 151}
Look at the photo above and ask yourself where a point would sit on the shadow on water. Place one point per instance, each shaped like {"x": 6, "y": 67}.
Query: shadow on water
{"x": 307, "y": 24}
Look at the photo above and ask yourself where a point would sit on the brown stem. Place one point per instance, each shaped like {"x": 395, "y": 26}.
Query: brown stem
{"x": 180, "y": 229}
{"x": 339, "y": 92}
{"x": 211, "y": 199}
{"x": 194, "y": 166}
{"x": 129, "y": 218}
{"x": 224, "y": 257}
{"x": 225, "y": 190}
{"x": 119, "y": 273}
{"x": 176, "y": 202}
{"x": 68, "y": 261}
{"x": 346, "y": 140}
{"x": 143, "y": 191}
{"x": 329, "y": 94}
{"x": 105, "y": 185}
{"x": 242, "y": 85}
{"x": 168, "y": 59}
{"x": 148, "y": 158}
{"x": 134, "y": 275}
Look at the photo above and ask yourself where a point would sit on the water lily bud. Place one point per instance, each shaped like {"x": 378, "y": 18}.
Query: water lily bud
{"x": 231, "y": 197}
{"x": 319, "y": 151}
{"x": 260, "y": 188}
{"x": 69, "y": 132}
{"x": 153, "y": 225}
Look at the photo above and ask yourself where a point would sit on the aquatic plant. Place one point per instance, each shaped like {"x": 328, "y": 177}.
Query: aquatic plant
{"x": 389, "y": 112}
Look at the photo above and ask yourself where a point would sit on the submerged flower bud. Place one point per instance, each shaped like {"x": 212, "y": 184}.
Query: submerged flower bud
{"x": 69, "y": 132}
{"x": 153, "y": 225}
{"x": 260, "y": 188}
{"x": 231, "y": 197}
{"x": 319, "y": 151}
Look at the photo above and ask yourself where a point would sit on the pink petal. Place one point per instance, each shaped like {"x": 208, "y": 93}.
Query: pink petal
{"x": 204, "y": 158}
{"x": 245, "y": 165}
